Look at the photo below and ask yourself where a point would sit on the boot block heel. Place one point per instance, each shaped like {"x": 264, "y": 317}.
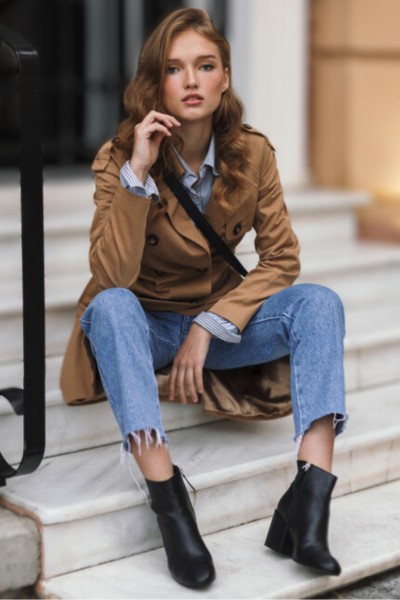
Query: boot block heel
{"x": 278, "y": 537}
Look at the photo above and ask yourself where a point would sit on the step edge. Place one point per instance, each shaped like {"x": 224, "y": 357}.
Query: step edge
{"x": 202, "y": 481}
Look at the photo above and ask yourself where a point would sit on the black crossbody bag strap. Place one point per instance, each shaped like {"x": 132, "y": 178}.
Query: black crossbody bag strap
{"x": 199, "y": 219}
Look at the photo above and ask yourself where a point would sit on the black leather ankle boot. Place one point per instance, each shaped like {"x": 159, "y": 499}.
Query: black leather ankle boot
{"x": 299, "y": 527}
{"x": 189, "y": 561}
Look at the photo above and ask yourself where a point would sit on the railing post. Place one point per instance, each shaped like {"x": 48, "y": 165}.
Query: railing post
{"x": 18, "y": 57}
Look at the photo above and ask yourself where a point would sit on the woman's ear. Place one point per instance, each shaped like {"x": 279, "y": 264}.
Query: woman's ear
{"x": 226, "y": 81}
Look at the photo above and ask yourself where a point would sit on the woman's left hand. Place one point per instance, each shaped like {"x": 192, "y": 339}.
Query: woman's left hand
{"x": 187, "y": 369}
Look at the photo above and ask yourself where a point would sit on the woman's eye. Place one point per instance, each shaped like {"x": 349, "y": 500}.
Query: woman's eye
{"x": 207, "y": 67}
{"x": 171, "y": 70}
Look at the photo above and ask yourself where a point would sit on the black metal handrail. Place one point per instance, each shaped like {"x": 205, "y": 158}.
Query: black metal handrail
{"x": 18, "y": 58}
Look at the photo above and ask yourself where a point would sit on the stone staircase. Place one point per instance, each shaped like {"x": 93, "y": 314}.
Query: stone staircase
{"x": 98, "y": 537}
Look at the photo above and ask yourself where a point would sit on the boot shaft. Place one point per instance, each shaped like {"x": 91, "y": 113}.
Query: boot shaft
{"x": 169, "y": 495}
{"x": 311, "y": 486}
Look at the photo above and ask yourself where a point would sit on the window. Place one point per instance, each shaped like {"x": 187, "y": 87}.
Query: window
{"x": 88, "y": 51}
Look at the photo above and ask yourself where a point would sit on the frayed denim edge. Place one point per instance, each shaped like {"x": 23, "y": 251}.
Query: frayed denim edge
{"x": 149, "y": 434}
{"x": 126, "y": 459}
{"x": 339, "y": 423}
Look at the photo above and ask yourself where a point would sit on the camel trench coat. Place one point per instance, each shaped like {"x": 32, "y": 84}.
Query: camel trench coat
{"x": 155, "y": 250}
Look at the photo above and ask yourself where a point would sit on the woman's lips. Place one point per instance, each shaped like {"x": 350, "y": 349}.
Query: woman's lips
{"x": 192, "y": 99}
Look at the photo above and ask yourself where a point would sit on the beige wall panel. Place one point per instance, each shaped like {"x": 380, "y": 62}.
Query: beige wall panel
{"x": 356, "y": 25}
{"x": 328, "y": 108}
{"x": 373, "y": 125}
{"x": 329, "y": 23}
{"x": 375, "y": 24}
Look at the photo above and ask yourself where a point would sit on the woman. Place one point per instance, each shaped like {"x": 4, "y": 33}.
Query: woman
{"x": 159, "y": 295}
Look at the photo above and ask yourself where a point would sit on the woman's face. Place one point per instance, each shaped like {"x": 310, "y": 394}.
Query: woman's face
{"x": 195, "y": 78}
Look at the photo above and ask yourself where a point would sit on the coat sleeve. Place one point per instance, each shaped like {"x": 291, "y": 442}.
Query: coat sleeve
{"x": 117, "y": 235}
{"x": 276, "y": 245}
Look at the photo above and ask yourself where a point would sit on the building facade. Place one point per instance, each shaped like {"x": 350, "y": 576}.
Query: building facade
{"x": 89, "y": 50}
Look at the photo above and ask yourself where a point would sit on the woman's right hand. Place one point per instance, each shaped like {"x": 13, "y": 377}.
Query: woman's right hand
{"x": 149, "y": 134}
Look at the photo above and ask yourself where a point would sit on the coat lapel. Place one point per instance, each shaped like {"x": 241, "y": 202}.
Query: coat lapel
{"x": 217, "y": 213}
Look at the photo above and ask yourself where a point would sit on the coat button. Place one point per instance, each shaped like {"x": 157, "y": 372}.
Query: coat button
{"x": 203, "y": 270}
{"x": 237, "y": 229}
{"x": 152, "y": 240}
{"x": 160, "y": 273}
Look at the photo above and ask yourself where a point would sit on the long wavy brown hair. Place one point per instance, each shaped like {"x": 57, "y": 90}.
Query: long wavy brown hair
{"x": 143, "y": 94}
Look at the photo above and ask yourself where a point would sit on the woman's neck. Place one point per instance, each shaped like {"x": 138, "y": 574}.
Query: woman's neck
{"x": 196, "y": 140}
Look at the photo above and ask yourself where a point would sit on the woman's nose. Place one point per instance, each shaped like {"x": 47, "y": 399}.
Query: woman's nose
{"x": 191, "y": 79}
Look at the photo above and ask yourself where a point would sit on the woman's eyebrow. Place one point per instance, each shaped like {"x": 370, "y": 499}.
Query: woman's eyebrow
{"x": 201, "y": 57}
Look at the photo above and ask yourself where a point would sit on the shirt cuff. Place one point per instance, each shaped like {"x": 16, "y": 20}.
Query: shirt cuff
{"x": 219, "y": 327}
{"x": 132, "y": 183}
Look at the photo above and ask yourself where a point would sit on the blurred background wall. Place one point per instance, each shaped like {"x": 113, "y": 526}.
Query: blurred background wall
{"x": 355, "y": 105}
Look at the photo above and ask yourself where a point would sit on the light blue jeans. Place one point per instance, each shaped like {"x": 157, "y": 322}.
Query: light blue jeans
{"x": 305, "y": 321}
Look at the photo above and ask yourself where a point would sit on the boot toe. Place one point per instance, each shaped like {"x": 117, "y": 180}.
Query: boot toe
{"x": 332, "y": 567}
{"x": 322, "y": 562}
{"x": 199, "y": 574}
{"x": 327, "y": 564}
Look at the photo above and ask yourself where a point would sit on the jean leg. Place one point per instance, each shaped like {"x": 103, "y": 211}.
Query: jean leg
{"x": 307, "y": 322}
{"x": 117, "y": 328}
{"x": 317, "y": 383}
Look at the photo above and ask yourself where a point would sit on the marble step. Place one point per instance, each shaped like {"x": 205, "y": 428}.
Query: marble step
{"x": 319, "y": 216}
{"x": 19, "y": 552}
{"x": 67, "y": 239}
{"x": 362, "y": 273}
{"x": 91, "y": 512}
{"x": 64, "y": 190}
{"x": 248, "y": 570}
{"x": 65, "y": 252}
{"x": 372, "y": 357}
{"x": 322, "y": 215}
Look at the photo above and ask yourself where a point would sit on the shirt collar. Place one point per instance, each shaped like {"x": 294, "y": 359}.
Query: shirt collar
{"x": 209, "y": 161}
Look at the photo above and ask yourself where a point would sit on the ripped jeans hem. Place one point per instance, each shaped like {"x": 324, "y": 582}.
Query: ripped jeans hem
{"x": 149, "y": 435}
{"x": 339, "y": 423}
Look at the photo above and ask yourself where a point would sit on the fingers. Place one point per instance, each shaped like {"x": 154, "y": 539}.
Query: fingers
{"x": 186, "y": 378}
{"x": 189, "y": 381}
{"x": 149, "y": 134}
{"x": 198, "y": 374}
{"x": 172, "y": 383}
{"x": 185, "y": 382}
{"x": 156, "y": 117}
{"x": 149, "y": 130}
